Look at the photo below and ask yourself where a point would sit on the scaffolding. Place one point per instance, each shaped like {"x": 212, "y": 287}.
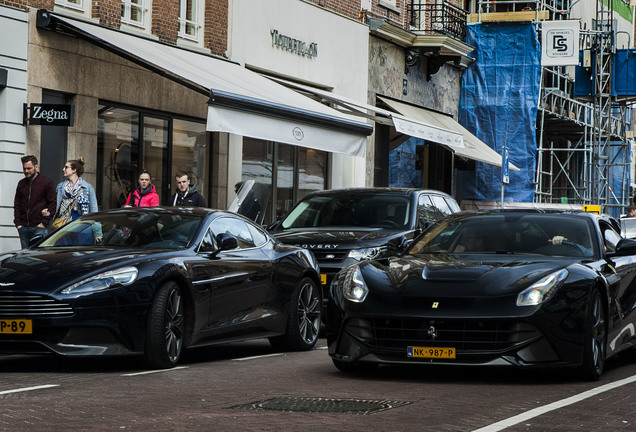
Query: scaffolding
{"x": 582, "y": 147}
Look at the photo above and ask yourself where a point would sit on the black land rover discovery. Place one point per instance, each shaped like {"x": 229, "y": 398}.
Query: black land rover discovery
{"x": 343, "y": 226}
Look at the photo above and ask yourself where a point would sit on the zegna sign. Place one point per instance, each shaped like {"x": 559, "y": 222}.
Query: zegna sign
{"x": 295, "y": 45}
{"x": 49, "y": 114}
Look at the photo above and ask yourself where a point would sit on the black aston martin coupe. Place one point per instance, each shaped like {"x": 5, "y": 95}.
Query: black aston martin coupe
{"x": 523, "y": 288}
{"x": 154, "y": 281}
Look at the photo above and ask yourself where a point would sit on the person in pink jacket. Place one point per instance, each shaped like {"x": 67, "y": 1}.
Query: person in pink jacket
{"x": 145, "y": 195}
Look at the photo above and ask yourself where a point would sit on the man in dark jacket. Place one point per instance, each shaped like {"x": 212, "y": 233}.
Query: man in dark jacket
{"x": 34, "y": 202}
{"x": 186, "y": 195}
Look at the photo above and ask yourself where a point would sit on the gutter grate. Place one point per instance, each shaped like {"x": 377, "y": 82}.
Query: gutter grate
{"x": 304, "y": 404}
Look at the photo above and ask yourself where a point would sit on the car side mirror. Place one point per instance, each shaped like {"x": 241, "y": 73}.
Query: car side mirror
{"x": 226, "y": 242}
{"x": 397, "y": 243}
{"x": 625, "y": 247}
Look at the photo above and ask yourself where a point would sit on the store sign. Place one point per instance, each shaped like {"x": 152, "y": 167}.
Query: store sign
{"x": 51, "y": 114}
{"x": 560, "y": 43}
{"x": 294, "y": 45}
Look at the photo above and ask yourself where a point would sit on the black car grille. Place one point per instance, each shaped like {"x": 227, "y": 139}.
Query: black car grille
{"x": 326, "y": 256}
{"x": 26, "y": 305}
{"x": 466, "y": 335}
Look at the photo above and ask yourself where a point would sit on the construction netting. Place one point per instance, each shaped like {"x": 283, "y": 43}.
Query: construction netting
{"x": 498, "y": 103}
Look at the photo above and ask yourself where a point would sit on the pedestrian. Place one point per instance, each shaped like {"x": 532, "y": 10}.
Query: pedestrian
{"x": 631, "y": 211}
{"x": 145, "y": 195}
{"x": 34, "y": 202}
{"x": 75, "y": 196}
{"x": 186, "y": 194}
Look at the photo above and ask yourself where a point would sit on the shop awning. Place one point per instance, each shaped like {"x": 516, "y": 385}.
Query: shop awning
{"x": 473, "y": 147}
{"x": 241, "y": 101}
{"x": 413, "y": 121}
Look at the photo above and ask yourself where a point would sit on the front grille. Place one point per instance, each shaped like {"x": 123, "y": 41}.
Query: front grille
{"x": 466, "y": 335}
{"x": 326, "y": 256}
{"x": 26, "y": 305}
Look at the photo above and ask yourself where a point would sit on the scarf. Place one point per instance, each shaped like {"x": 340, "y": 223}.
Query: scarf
{"x": 69, "y": 192}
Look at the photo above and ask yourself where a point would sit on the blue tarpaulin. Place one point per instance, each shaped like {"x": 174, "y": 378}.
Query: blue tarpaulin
{"x": 498, "y": 104}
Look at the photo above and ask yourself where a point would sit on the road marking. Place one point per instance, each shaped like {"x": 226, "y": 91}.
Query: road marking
{"x": 28, "y": 389}
{"x": 257, "y": 357}
{"x": 154, "y": 371}
{"x": 511, "y": 421}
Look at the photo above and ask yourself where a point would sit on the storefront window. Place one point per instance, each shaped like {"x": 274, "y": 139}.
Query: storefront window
{"x": 295, "y": 171}
{"x": 124, "y": 150}
{"x": 190, "y": 154}
{"x": 258, "y": 165}
{"x": 155, "y": 154}
{"x": 116, "y": 172}
{"x": 312, "y": 169}
{"x": 284, "y": 180}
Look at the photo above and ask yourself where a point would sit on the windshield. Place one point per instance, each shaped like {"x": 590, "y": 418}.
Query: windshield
{"x": 560, "y": 235}
{"x": 127, "y": 228}
{"x": 380, "y": 211}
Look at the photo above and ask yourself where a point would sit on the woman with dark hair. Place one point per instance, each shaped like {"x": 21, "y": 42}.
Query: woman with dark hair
{"x": 145, "y": 195}
{"x": 75, "y": 196}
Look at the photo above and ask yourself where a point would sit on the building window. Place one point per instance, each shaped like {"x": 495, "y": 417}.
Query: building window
{"x": 72, "y": 4}
{"x": 75, "y": 4}
{"x": 294, "y": 171}
{"x": 189, "y": 19}
{"x": 390, "y": 5}
{"x": 190, "y": 153}
{"x": 133, "y": 12}
{"x": 130, "y": 140}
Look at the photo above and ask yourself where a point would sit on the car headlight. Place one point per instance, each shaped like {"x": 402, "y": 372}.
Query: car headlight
{"x": 366, "y": 253}
{"x": 354, "y": 288}
{"x": 123, "y": 276}
{"x": 541, "y": 290}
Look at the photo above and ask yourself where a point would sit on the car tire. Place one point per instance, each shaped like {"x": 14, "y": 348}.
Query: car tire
{"x": 354, "y": 367}
{"x": 595, "y": 349}
{"x": 303, "y": 321}
{"x": 166, "y": 324}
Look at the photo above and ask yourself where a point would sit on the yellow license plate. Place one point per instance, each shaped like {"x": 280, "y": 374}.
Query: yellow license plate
{"x": 431, "y": 352}
{"x": 17, "y": 326}
{"x": 323, "y": 279}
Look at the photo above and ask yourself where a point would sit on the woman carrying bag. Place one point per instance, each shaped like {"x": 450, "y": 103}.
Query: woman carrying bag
{"x": 75, "y": 197}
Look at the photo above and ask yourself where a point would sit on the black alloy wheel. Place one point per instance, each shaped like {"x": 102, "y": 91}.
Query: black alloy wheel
{"x": 595, "y": 349}
{"x": 166, "y": 323}
{"x": 303, "y": 322}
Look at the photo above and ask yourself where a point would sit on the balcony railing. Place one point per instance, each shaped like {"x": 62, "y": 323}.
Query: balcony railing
{"x": 440, "y": 18}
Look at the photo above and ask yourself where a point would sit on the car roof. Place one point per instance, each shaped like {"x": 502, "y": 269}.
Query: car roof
{"x": 197, "y": 211}
{"x": 530, "y": 210}
{"x": 375, "y": 190}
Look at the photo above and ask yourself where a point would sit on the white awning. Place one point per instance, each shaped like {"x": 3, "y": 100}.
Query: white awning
{"x": 413, "y": 121}
{"x": 241, "y": 101}
{"x": 473, "y": 147}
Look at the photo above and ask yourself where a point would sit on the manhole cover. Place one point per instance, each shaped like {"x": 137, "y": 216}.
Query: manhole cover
{"x": 301, "y": 404}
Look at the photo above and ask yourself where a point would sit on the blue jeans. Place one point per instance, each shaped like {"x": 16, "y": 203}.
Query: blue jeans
{"x": 27, "y": 233}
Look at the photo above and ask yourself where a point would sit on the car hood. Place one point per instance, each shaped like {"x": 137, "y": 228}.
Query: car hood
{"x": 437, "y": 276}
{"x": 46, "y": 270}
{"x": 338, "y": 237}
